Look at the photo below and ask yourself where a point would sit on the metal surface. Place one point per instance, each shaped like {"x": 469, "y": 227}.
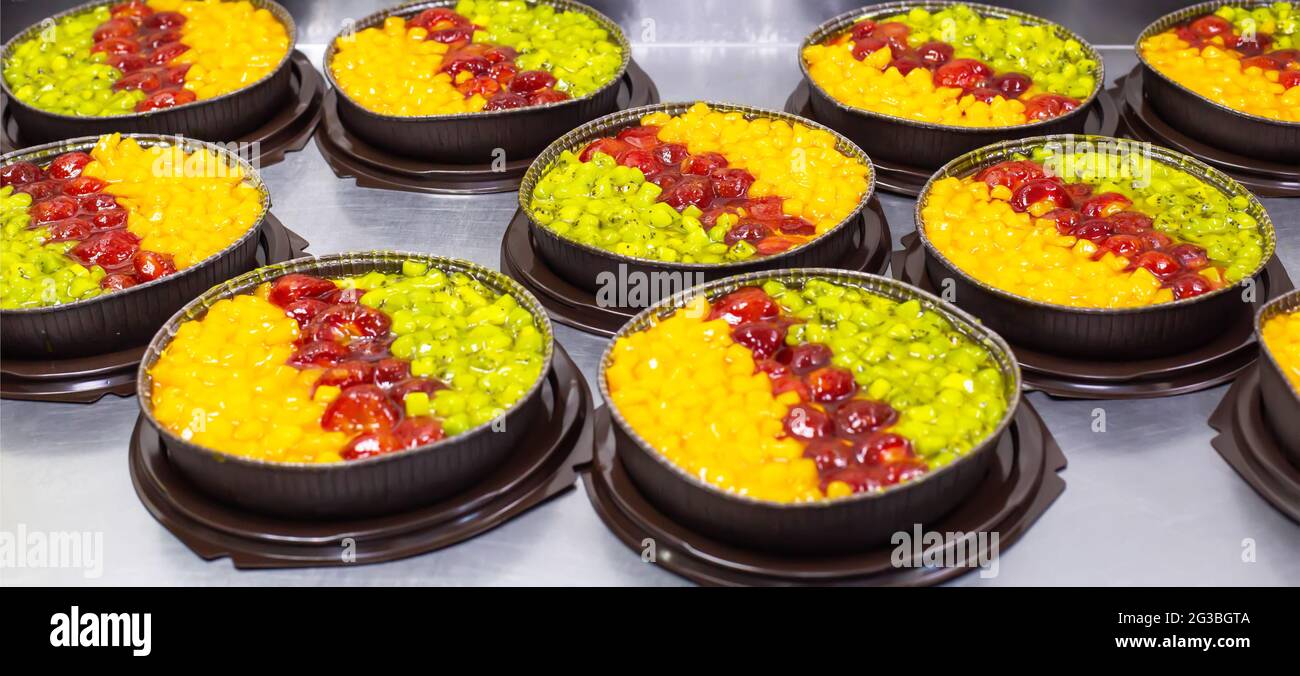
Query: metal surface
{"x": 1101, "y": 22}
{"x": 1148, "y": 501}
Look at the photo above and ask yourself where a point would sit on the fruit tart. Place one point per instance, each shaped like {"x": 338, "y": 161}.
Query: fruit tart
{"x": 1244, "y": 58}
{"x": 121, "y": 214}
{"x": 805, "y": 390}
{"x": 138, "y": 56}
{"x": 306, "y": 369}
{"x": 956, "y": 65}
{"x": 1085, "y": 227}
{"x": 476, "y": 56}
{"x": 705, "y": 186}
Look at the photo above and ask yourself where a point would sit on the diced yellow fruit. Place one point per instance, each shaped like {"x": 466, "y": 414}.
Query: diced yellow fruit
{"x": 326, "y": 394}
{"x": 417, "y": 404}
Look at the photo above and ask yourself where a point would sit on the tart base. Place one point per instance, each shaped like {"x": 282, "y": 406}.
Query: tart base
{"x": 288, "y": 131}
{"x": 371, "y": 167}
{"x": 1247, "y": 443}
{"x": 1214, "y": 363}
{"x": 1264, "y": 178}
{"x": 1022, "y": 482}
{"x": 576, "y": 307}
{"x": 1103, "y": 120}
{"x": 544, "y": 468}
{"x": 85, "y": 380}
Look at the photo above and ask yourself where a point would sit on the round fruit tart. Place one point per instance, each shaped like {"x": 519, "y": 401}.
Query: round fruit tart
{"x": 1281, "y": 334}
{"x": 1247, "y": 59}
{"x": 804, "y": 391}
{"x": 312, "y": 370}
{"x": 140, "y": 56}
{"x": 706, "y": 186}
{"x": 954, "y": 66}
{"x": 86, "y": 224}
{"x": 1092, "y": 229}
{"x": 481, "y": 55}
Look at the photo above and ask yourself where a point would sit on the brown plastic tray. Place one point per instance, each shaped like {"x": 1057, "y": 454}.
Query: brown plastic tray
{"x": 1021, "y": 484}
{"x": 573, "y": 306}
{"x": 371, "y": 167}
{"x": 1249, "y": 445}
{"x": 288, "y": 131}
{"x": 1103, "y": 120}
{"x": 84, "y": 380}
{"x": 543, "y": 468}
{"x": 1264, "y": 178}
{"x": 1216, "y": 362}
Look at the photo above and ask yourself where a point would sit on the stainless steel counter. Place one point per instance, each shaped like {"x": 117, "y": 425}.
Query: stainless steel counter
{"x": 1148, "y": 502}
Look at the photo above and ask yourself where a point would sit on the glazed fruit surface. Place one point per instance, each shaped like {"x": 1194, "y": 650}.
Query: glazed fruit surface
{"x": 954, "y": 67}
{"x": 702, "y": 187}
{"x": 138, "y": 56}
{"x": 231, "y": 44}
{"x": 1245, "y": 59}
{"x": 122, "y": 215}
{"x": 1086, "y": 229}
{"x": 313, "y": 370}
{"x": 483, "y": 55}
{"x": 1282, "y": 337}
{"x": 795, "y": 394}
